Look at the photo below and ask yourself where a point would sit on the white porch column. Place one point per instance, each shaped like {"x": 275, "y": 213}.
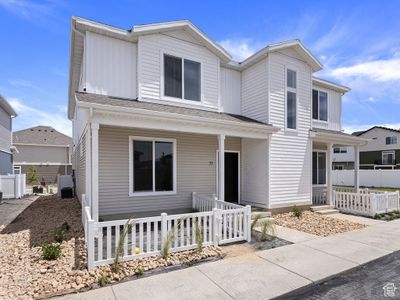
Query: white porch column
{"x": 329, "y": 199}
{"x": 95, "y": 171}
{"x": 221, "y": 167}
{"x": 356, "y": 169}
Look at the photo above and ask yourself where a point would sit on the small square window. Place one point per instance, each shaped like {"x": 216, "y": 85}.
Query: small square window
{"x": 291, "y": 78}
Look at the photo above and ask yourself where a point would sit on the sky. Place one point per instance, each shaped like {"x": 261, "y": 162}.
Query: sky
{"x": 358, "y": 42}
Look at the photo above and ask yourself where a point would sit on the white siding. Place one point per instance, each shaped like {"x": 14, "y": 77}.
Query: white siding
{"x": 255, "y": 91}
{"x": 290, "y": 151}
{"x": 378, "y": 140}
{"x": 196, "y": 163}
{"x": 110, "y": 66}
{"x": 230, "y": 91}
{"x": 150, "y": 60}
{"x": 254, "y": 172}
{"x": 334, "y": 110}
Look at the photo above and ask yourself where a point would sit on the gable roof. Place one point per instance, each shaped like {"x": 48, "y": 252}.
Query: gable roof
{"x": 7, "y": 107}
{"x": 43, "y": 135}
{"x": 330, "y": 85}
{"x": 359, "y": 133}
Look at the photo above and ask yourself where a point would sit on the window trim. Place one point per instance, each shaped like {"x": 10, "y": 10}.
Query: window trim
{"x": 132, "y": 193}
{"x": 389, "y": 152}
{"x": 292, "y": 90}
{"x": 326, "y": 168}
{"x": 390, "y": 140}
{"x": 327, "y": 105}
{"x": 162, "y": 86}
{"x": 17, "y": 167}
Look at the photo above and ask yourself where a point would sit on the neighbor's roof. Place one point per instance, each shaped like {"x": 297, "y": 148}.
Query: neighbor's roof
{"x": 7, "y": 107}
{"x": 135, "y": 104}
{"x": 41, "y": 135}
{"x": 358, "y": 133}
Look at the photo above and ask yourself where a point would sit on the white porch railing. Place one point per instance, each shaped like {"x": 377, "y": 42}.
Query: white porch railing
{"x": 366, "y": 202}
{"x": 217, "y": 222}
{"x": 319, "y": 196}
{"x": 13, "y": 186}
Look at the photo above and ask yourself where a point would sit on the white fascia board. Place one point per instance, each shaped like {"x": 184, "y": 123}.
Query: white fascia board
{"x": 147, "y": 119}
{"x": 24, "y": 163}
{"x": 41, "y": 145}
{"x": 330, "y": 85}
{"x": 338, "y": 139}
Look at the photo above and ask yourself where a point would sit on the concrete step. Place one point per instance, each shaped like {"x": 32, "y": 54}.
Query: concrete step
{"x": 327, "y": 211}
{"x": 263, "y": 214}
{"x": 317, "y": 208}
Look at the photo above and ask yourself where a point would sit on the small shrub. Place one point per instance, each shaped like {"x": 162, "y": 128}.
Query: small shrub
{"x": 59, "y": 235}
{"x": 166, "y": 246}
{"x": 127, "y": 227}
{"x": 65, "y": 226}
{"x": 297, "y": 211}
{"x": 198, "y": 236}
{"x": 103, "y": 280}
{"x": 51, "y": 251}
{"x": 255, "y": 221}
{"x": 267, "y": 227}
{"x": 139, "y": 272}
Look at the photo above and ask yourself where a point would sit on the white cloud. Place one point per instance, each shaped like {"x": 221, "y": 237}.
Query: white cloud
{"x": 352, "y": 128}
{"x": 29, "y": 116}
{"x": 25, "y": 8}
{"x": 377, "y": 70}
{"x": 240, "y": 49}
{"x": 334, "y": 36}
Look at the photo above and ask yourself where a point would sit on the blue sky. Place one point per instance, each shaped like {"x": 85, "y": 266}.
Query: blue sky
{"x": 357, "y": 41}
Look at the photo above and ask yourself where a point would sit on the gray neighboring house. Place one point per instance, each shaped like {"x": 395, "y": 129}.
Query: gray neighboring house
{"x": 45, "y": 149}
{"x": 7, "y": 113}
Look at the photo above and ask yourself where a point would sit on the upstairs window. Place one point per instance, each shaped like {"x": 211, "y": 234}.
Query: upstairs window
{"x": 391, "y": 140}
{"x": 291, "y": 99}
{"x": 320, "y": 105}
{"x": 182, "y": 78}
{"x": 340, "y": 150}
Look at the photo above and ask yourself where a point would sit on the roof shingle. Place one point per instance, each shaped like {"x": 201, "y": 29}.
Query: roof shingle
{"x": 44, "y": 135}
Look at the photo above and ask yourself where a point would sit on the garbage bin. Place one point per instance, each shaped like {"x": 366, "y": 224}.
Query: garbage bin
{"x": 1, "y": 197}
{"x": 66, "y": 193}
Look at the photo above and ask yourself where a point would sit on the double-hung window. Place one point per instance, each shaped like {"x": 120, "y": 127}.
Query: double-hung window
{"x": 391, "y": 140}
{"x": 291, "y": 99}
{"x": 320, "y": 105}
{"x": 182, "y": 78}
{"x": 319, "y": 168}
{"x": 388, "y": 157}
{"x": 152, "y": 166}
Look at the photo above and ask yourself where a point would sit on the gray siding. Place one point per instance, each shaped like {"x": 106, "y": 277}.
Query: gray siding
{"x": 80, "y": 167}
{"x": 5, "y": 119}
{"x": 196, "y": 163}
{"x": 38, "y": 154}
{"x": 48, "y": 173}
{"x": 6, "y": 165}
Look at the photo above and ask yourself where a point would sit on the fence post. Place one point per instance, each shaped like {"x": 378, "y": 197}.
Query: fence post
{"x": 398, "y": 200}
{"x": 372, "y": 204}
{"x": 194, "y": 200}
{"x": 248, "y": 223}
{"x": 386, "y": 202}
{"x": 215, "y": 224}
{"x": 90, "y": 244}
{"x": 164, "y": 228}
{"x": 334, "y": 197}
{"x": 215, "y": 198}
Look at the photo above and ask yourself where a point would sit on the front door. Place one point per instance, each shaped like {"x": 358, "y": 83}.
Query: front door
{"x": 232, "y": 177}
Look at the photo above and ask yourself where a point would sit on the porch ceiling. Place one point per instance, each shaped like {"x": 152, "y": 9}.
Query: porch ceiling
{"x": 337, "y": 138}
{"x": 139, "y": 114}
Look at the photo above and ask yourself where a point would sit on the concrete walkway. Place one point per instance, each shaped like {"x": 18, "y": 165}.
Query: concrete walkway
{"x": 263, "y": 274}
{"x": 11, "y": 208}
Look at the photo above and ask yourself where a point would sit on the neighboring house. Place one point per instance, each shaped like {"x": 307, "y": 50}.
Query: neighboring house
{"x": 45, "y": 149}
{"x": 382, "y": 151}
{"x": 161, "y": 111}
{"x": 7, "y": 113}
{"x": 343, "y": 158}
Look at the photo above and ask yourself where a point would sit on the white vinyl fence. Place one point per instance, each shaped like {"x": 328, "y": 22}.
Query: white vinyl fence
{"x": 377, "y": 178}
{"x": 217, "y": 222}
{"x": 13, "y": 186}
{"x": 366, "y": 202}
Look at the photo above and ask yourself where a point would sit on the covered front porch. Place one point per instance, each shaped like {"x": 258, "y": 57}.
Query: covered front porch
{"x": 324, "y": 141}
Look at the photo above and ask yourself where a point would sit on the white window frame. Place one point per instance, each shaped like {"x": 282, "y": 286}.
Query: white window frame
{"x": 183, "y": 99}
{"x": 17, "y": 168}
{"x": 132, "y": 193}
{"x": 326, "y": 168}
{"x": 391, "y": 139}
{"x": 327, "y": 105}
{"x": 293, "y": 90}
{"x": 338, "y": 167}
{"x": 389, "y": 152}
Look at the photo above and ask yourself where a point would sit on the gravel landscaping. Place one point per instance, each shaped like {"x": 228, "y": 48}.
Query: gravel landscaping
{"x": 26, "y": 275}
{"x": 314, "y": 223}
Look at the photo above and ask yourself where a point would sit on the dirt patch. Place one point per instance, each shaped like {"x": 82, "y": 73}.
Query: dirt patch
{"x": 26, "y": 275}
{"x": 316, "y": 224}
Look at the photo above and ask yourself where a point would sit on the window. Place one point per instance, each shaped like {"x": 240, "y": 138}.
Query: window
{"x": 320, "y": 105}
{"x": 152, "y": 166}
{"x": 182, "y": 78}
{"x": 338, "y": 167}
{"x": 388, "y": 157}
{"x": 319, "y": 168}
{"x": 391, "y": 140}
{"x": 340, "y": 150}
{"x": 17, "y": 170}
{"x": 291, "y": 99}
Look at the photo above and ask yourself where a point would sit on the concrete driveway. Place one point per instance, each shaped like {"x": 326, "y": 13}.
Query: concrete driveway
{"x": 263, "y": 274}
{"x": 11, "y": 208}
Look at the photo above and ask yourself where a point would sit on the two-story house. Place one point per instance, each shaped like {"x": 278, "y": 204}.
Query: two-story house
{"x": 7, "y": 150}
{"x": 161, "y": 111}
{"x": 382, "y": 151}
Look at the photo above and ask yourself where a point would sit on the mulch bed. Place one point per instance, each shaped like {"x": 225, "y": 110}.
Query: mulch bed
{"x": 317, "y": 224}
